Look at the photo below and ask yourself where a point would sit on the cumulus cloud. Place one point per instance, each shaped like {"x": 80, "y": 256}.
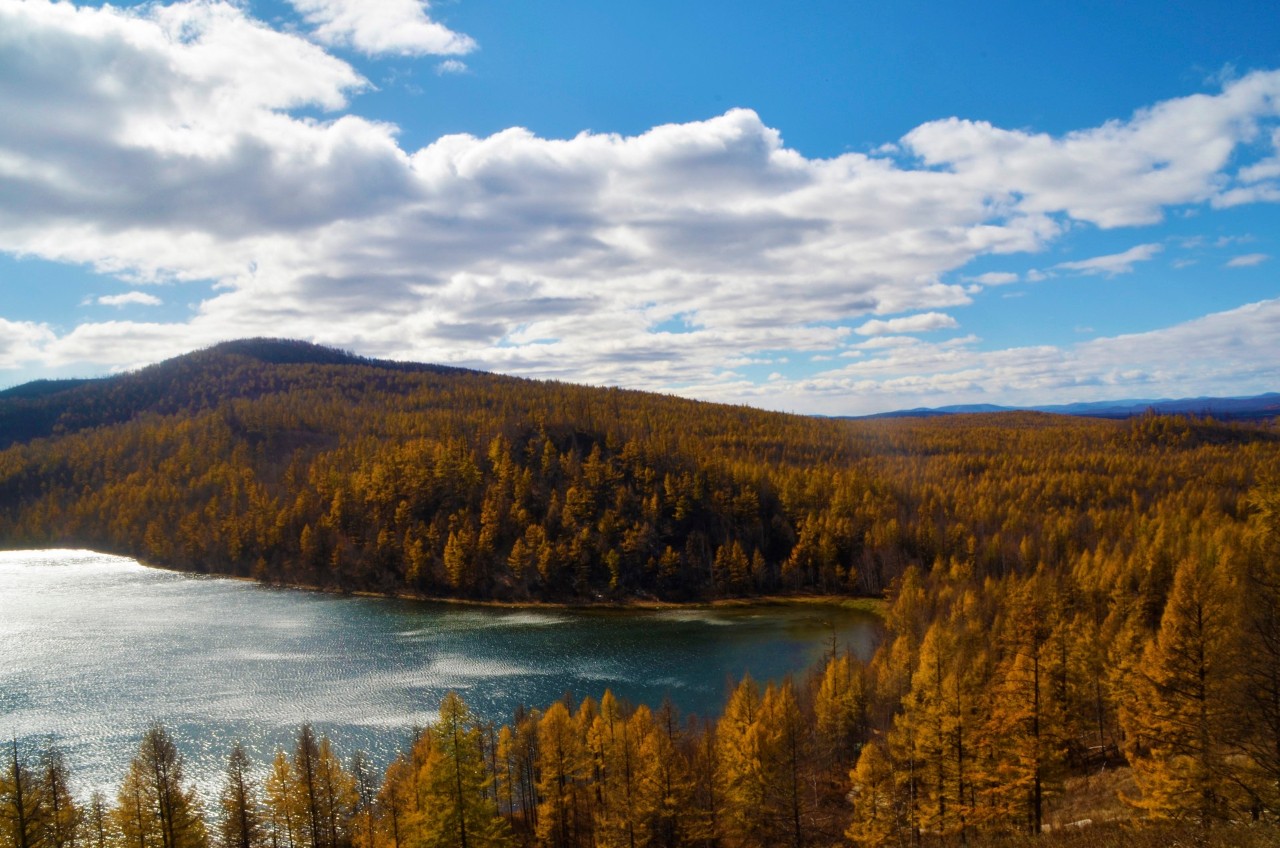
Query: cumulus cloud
{"x": 1193, "y": 358}
{"x": 191, "y": 142}
{"x": 1122, "y": 173}
{"x": 374, "y": 27}
{"x": 133, "y": 298}
{"x": 1248, "y": 260}
{"x": 922, "y": 323}
{"x": 23, "y": 341}
{"x": 1113, "y": 264}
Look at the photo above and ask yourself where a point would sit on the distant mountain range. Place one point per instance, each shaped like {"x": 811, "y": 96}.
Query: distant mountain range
{"x": 30, "y": 409}
{"x": 1227, "y": 409}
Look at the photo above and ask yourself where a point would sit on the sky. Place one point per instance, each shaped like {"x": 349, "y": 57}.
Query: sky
{"x": 833, "y": 208}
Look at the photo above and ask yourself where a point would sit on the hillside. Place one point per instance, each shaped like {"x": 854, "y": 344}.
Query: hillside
{"x": 1066, "y": 596}
{"x": 296, "y": 463}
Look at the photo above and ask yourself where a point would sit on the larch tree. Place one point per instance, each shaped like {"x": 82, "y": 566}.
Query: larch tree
{"x": 162, "y": 807}
{"x": 460, "y": 808}
{"x": 61, "y": 821}
{"x": 1182, "y": 720}
{"x": 394, "y": 803}
{"x": 783, "y": 751}
{"x": 561, "y": 770}
{"x": 618, "y": 820}
{"x": 666, "y": 787}
{"x": 133, "y": 818}
{"x": 286, "y": 812}
{"x": 873, "y": 793}
{"x": 21, "y": 808}
{"x": 96, "y": 822}
{"x": 306, "y": 772}
{"x": 1260, "y": 692}
{"x": 518, "y": 754}
{"x": 934, "y": 736}
{"x": 741, "y": 780}
{"x": 336, "y": 796}
{"x": 241, "y": 824}
{"x": 366, "y": 794}
{"x": 1024, "y": 728}
{"x": 840, "y": 710}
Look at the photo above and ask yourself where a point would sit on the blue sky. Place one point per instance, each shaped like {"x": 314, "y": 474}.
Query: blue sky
{"x": 826, "y": 207}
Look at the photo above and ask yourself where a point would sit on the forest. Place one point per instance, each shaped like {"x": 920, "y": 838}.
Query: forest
{"x": 1074, "y": 608}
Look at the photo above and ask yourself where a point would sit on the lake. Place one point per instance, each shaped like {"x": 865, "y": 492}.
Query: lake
{"x": 95, "y": 647}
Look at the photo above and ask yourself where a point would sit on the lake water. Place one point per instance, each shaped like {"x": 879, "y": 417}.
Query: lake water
{"x": 94, "y": 647}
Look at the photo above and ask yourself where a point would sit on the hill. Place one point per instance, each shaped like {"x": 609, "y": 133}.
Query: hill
{"x": 1253, "y": 408}
{"x": 1065, "y": 595}
{"x": 297, "y": 463}
{"x": 186, "y": 384}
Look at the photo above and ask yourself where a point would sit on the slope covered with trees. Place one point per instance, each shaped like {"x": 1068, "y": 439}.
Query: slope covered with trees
{"x": 299, "y": 464}
{"x": 1066, "y": 597}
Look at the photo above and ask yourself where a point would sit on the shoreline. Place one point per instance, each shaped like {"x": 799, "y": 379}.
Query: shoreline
{"x": 869, "y": 605}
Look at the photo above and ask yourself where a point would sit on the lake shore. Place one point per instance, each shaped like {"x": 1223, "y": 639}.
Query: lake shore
{"x": 870, "y": 605}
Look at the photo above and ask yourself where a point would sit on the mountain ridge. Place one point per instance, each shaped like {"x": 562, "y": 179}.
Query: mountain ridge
{"x": 1244, "y": 408}
{"x": 281, "y": 351}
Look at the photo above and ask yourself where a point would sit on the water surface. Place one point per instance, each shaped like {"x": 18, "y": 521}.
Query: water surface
{"x": 95, "y": 647}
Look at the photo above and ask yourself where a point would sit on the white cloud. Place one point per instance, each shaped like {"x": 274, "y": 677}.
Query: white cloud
{"x": 451, "y": 66}
{"x": 1113, "y": 264}
{"x": 375, "y": 27}
{"x": 1234, "y": 348}
{"x": 1122, "y": 173}
{"x": 165, "y": 143}
{"x": 923, "y": 323}
{"x": 1248, "y": 260}
{"x": 995, "y": 278}
{"x": 136, "y": 298}
{"x": 22, "y": 342}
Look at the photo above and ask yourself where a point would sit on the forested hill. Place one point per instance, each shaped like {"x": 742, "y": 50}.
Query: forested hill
{"x": 187, "y": 384}
{"x": 296, "y": 463}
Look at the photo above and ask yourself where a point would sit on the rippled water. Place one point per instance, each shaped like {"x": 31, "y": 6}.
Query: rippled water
{"x": 94, "y": 647}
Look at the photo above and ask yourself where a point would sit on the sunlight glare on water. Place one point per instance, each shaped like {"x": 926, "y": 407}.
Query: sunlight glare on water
{"x": 94, "y": 647}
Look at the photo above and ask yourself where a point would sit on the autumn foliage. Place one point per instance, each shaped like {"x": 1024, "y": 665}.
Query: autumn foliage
{"x": 1064, "y": 597}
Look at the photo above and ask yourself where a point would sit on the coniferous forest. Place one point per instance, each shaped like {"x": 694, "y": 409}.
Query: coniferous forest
{"x": 1074, "y": 608}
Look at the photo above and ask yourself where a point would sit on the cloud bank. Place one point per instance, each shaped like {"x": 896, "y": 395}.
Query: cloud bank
{"x": 179, "y": 143}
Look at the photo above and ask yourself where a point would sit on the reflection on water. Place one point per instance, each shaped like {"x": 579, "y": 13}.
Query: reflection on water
{"x": 95, "y": 647}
